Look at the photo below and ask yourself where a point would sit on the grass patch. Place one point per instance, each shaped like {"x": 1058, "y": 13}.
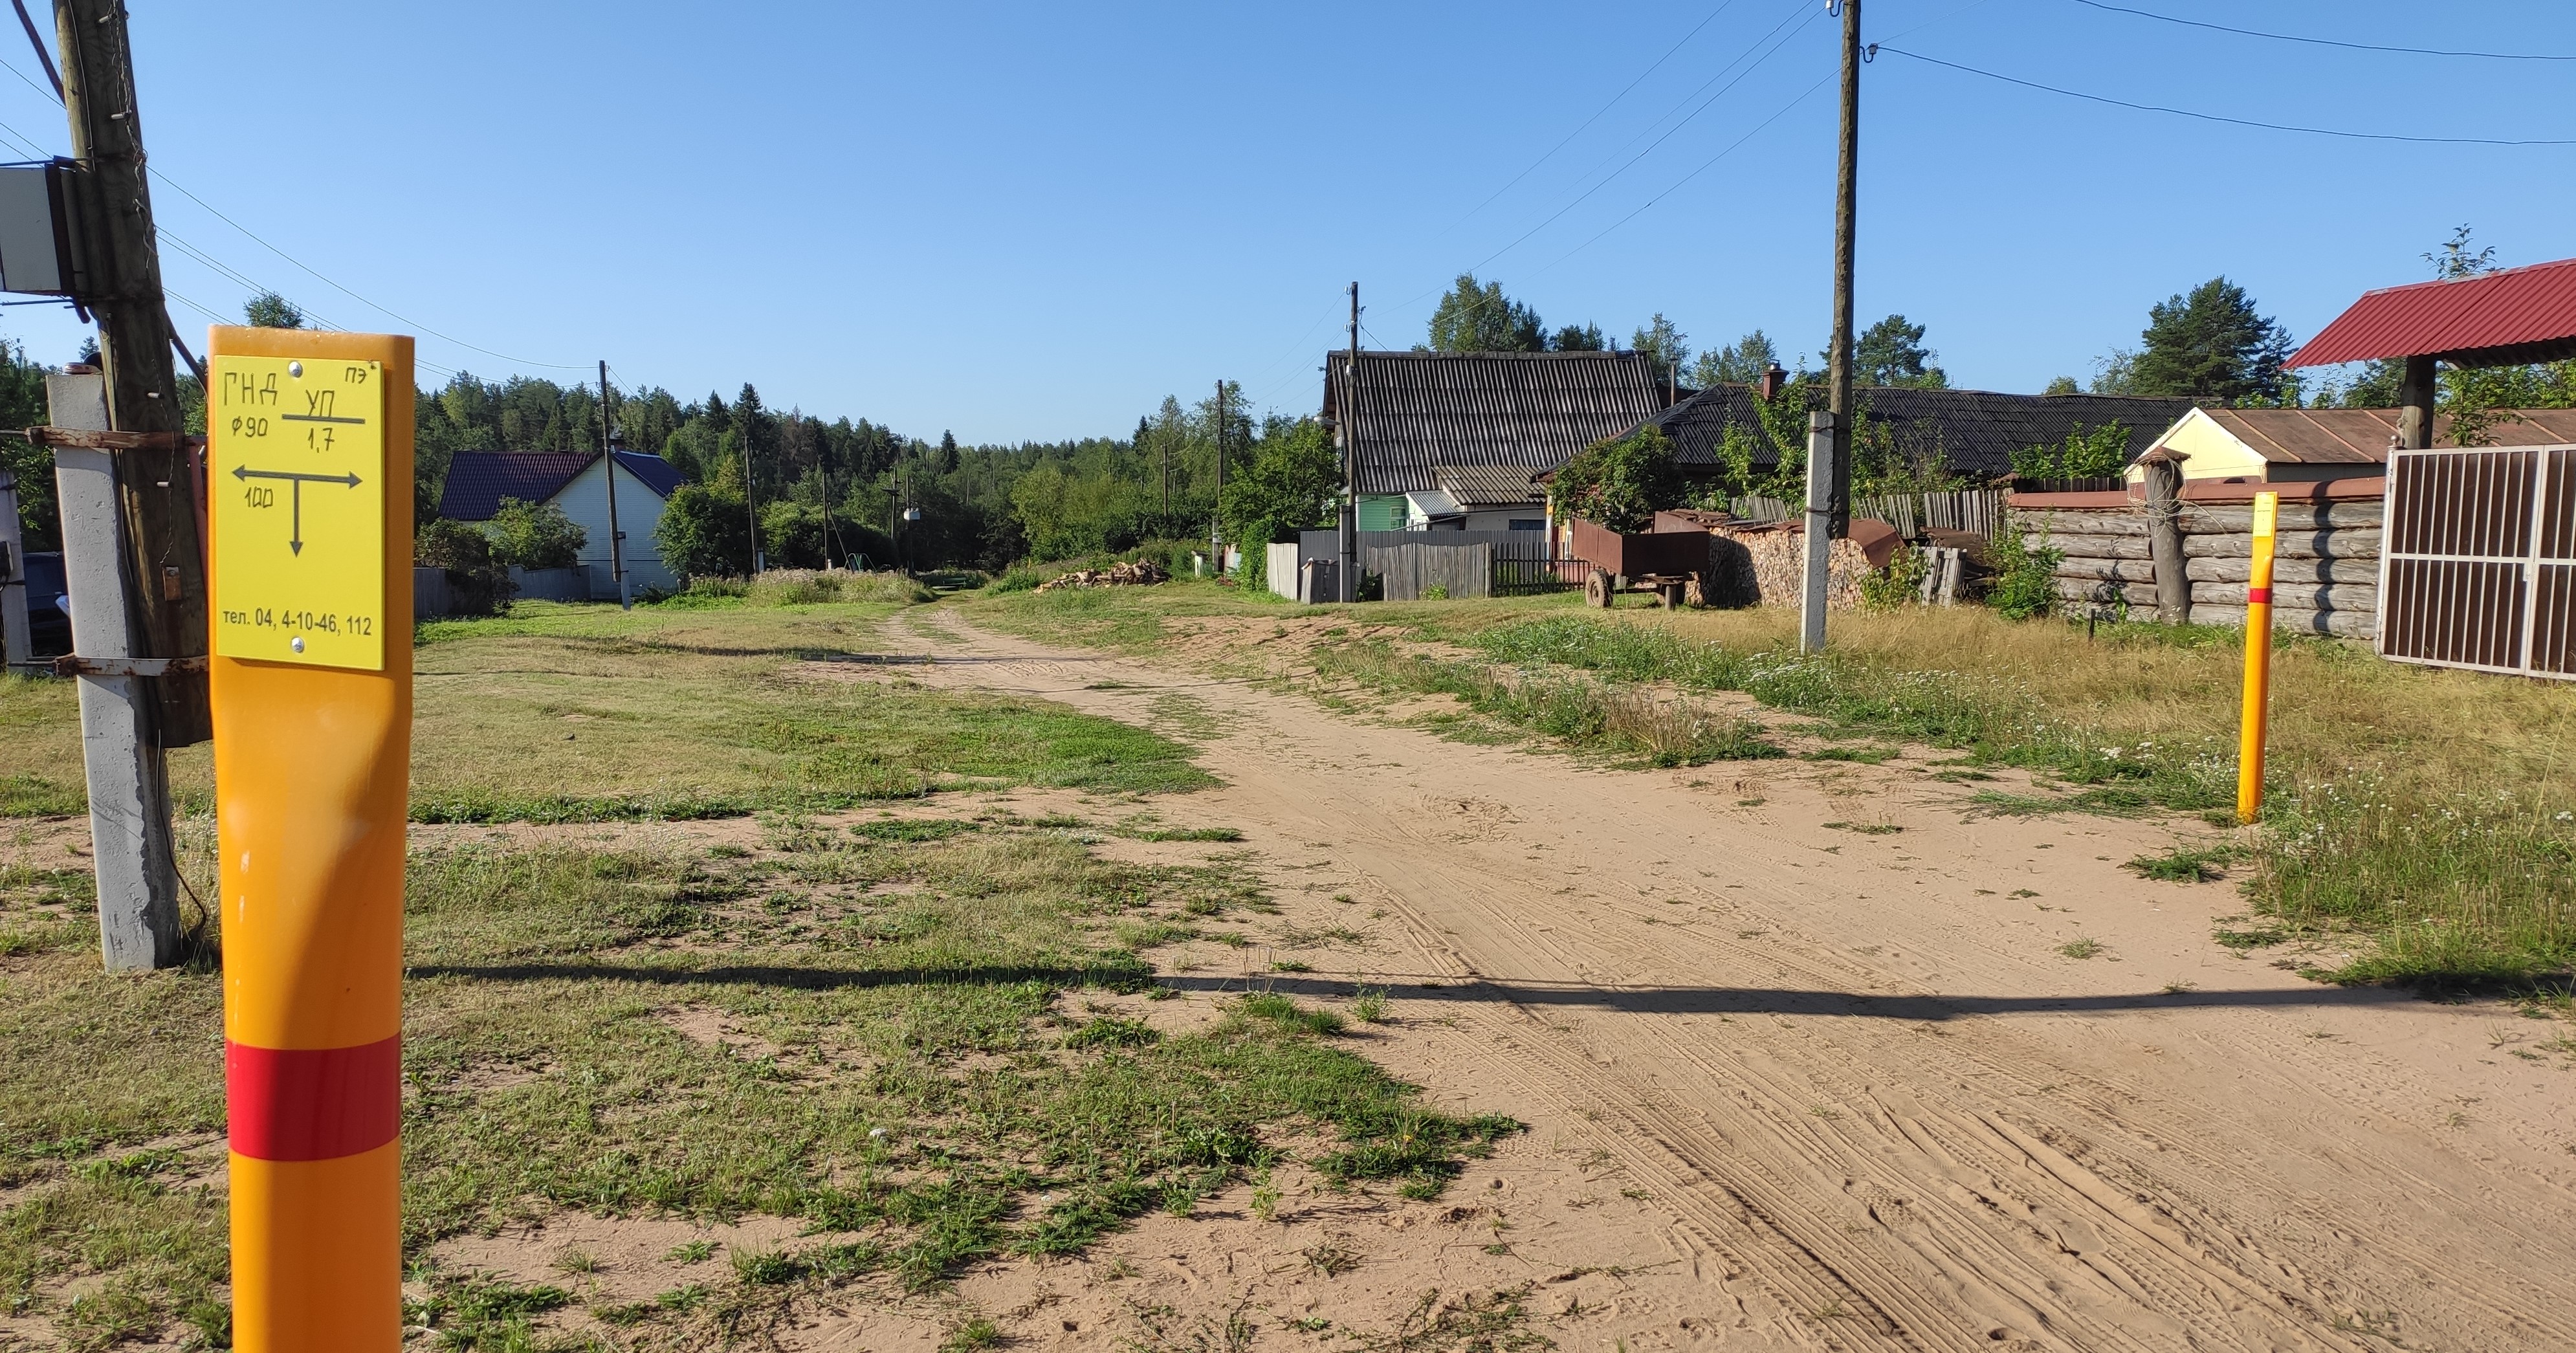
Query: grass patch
{"x": 916, "y": 1078}
{"x": 561, "y": 713}
{"x": 2083, "y": 948}
{"x": 1579, "y": 714}
{"x": 2187, "y": 864}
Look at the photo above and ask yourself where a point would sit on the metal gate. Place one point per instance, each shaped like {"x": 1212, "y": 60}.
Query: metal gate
{"x": 2478, "y": 568}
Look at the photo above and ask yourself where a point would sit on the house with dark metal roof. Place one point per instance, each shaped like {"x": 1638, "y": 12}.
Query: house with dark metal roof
{"x": 477, "y": 481}
{"x": 1413, "y": 418}
{"x": 1974, "y": 432}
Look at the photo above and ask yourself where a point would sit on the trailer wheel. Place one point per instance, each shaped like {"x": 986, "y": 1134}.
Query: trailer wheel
{"x": 1695, "y": 592}
{"x": 1596, "y": 589}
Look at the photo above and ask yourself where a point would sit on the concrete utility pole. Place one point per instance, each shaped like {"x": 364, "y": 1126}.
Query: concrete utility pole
{"x": 1347, "y": 575}
{"x": 751, "y": 506}
{"x": 129, "y": 789}
{"x": 608, "y": 462}
{"x": 1819, "y": 537}
{"x": 1838, "y": 363}
{"x": 165, "y": 561}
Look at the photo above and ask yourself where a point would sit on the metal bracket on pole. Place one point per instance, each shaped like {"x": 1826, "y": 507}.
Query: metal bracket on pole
{"x": 1821, "y": 451}
{"x": 74, "y": 665}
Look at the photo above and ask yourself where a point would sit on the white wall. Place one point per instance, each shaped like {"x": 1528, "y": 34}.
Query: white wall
{"x": 639, "y": 510}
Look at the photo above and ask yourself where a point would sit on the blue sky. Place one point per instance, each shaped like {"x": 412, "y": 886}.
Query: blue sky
{"x": 1035, "y": 221}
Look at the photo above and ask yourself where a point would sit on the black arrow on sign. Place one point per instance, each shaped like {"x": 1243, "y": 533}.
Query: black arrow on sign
{"x": 295, "y": 543}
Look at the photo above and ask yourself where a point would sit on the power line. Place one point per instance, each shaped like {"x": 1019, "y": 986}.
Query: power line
{"x": 1669, "y": 133}
{"x": 1596, "y": 117}
{"x": 2320, "y": 42}
{"x": 1711, "y": 162}
{"x": 299, "y": 263}
{"x": 2232, "y": 121}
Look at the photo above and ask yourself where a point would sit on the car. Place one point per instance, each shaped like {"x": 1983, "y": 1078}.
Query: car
{"x": 49, "y": 609}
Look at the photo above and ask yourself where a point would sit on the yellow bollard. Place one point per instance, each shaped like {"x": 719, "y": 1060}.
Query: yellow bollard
{"x": 309, "y": 468}
{"x": 2255, "y": 716}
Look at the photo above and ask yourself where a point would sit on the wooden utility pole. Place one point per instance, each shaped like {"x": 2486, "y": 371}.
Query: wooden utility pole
{"x": 2417, "y": 392}
{"x": 608, "y": 461}
{"x": 751, "y": 503}
{"x": 1347, "y": 573}
{"x": 1838, "y": 363}
{"x": 156, "y": 482}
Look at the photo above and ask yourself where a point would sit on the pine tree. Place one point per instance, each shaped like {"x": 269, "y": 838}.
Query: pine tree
{"x": 2211, "y": 344}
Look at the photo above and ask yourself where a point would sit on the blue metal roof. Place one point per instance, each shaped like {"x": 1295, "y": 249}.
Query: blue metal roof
{"x": 477, "y": 481}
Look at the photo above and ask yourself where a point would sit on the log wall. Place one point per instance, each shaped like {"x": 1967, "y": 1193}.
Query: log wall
{"x": 2325, "y": 574}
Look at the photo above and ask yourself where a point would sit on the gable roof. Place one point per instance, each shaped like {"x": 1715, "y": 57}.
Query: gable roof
{"x": 1474, "y": 486}
{"x": 2361, "y": 436}
{"x": 1412, "y": 413}
{"x": 477, "y": 481}
{"x": 2517, "y": 315}
{"x": 1977, "y": 431}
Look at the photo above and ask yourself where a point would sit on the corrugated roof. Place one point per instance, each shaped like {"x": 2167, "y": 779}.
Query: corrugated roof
{"x": 1417, "y": 412}
{"x": 2360, "y": 436}
{"x": 1976, "y": 431}
{"x": 2517, "y": 315}
{"x": 477, "y": 481}
{"x": 1473, "y": 486}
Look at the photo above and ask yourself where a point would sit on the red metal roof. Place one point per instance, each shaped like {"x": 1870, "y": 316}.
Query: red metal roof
{"x": 2517, "y": 315}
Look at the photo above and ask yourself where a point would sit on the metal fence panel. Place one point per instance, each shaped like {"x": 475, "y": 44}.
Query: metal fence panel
{"x": 2480, "y": 565}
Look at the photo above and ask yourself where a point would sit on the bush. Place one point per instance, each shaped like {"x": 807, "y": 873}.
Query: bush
{"x": 705, "y": 533}
{"x": 1620, "y": 482}
{"x": 478, "y": 583}
{"x": 2025, "y": 585}
{"x": 534, "y": 535}
{"x": 1898, "y": 584}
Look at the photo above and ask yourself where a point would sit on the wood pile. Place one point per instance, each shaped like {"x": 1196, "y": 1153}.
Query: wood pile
{"x": 1135, "y": 573}
{"x": 1764, "y": 564}
{"x": 2325, "y": 575}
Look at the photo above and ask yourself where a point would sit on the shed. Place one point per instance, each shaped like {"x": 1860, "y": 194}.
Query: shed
{"x": 1975, "y": 432}
{"x": 477, "y": 481}
{"x": 2306, "y": 446}
{"x": 2502, "y": 318}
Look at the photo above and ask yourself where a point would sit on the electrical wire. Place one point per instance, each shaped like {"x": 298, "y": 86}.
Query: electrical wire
{"x": 183, "y": 191}
{"x": 2231, "y": 121}
{"x": 1738, "y": 144}
{"x": 2320, "y": 42}
{"x": 1587, "y": 122}
{"x": 1777, "y": 39}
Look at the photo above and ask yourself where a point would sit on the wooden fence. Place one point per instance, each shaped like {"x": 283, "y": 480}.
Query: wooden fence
{"x": 1977, "y": 510}
{"x": 1417, "y": 571}
{"x": 2480, "y": 566}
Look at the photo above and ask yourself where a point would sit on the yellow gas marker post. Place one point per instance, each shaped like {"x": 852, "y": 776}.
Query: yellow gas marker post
{"x": 309, "y": 449}
{"x": 2254, "y": 719}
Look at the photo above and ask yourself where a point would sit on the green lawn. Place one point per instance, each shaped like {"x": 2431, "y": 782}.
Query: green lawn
{"x": 929, "y": 1044}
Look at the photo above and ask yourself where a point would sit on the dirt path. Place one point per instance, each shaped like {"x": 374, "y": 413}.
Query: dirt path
{"x": 1878, "y": 1103}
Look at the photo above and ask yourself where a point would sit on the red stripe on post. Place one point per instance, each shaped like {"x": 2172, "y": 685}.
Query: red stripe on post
{"x": 313, "y": 1103}
{"x": 2258, "y": 596}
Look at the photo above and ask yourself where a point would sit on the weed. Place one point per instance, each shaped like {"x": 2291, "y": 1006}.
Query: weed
{"x": 692, "y": 1252}
{"x": 2187, "y": 864}
{"x": 2082, "y": 948}
{"x": 1330, "y": 1260}
{"x": 766, "y": 1268}
{"x": 973, "y": 1336}
{"x": 1369, "y": 1006}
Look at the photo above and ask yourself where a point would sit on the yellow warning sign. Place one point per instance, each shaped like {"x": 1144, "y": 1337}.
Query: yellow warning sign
{"x": 295, "y": 466}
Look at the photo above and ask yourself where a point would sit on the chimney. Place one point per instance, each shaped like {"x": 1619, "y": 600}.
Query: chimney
{"x": 1770, "y": 385}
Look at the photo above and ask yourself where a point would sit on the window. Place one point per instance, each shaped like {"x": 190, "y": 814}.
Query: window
{"x": 1529, "y": 523}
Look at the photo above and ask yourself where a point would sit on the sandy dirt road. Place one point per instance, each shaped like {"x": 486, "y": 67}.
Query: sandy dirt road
{"x": 1867, "y": 1089}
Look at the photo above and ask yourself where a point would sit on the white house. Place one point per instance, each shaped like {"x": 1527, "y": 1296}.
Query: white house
{"x": 577, "y": 482}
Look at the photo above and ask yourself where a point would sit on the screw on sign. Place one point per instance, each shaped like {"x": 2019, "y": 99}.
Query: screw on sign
{"x": 311, "y": 679}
